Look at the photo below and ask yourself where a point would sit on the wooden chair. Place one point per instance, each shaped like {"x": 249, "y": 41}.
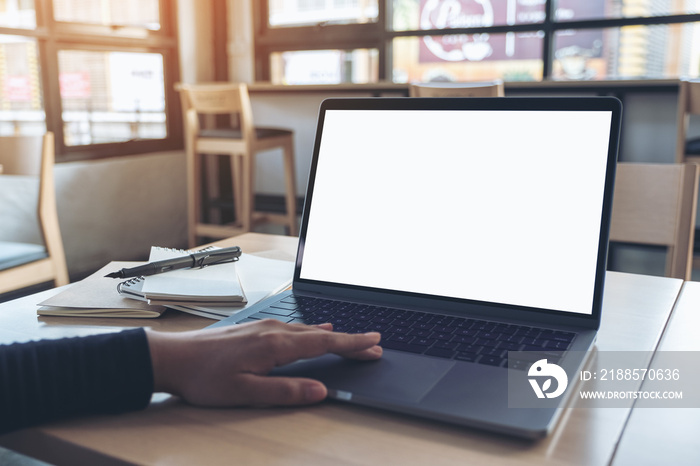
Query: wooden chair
{"x": 24, "y": 264}
{"x": 240, "y": 142}
{"x": 688, "y": 150}
{"x": 470, "y": 89}
{"x": 688, "y": 104}
{"x": 654, "y": 204}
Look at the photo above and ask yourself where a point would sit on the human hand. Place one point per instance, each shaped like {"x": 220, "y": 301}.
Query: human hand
{"x": 228, "y": 366}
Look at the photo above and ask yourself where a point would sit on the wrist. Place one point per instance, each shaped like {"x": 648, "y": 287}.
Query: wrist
{"x": 158, "y": 344}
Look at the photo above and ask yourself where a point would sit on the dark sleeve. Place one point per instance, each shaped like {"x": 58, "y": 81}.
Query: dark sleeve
{"x": 52, "y": 379}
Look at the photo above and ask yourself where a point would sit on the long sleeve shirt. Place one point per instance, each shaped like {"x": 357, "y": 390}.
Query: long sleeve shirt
{"x": 48, "y": 380}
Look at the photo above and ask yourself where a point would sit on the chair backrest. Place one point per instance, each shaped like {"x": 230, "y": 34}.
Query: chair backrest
{"x": 34, "y": 156}
{"x": 217, "y": 99}
{"x": 466, "y": 89}
{"x": 688, "y": 104}
{"x": 655, "y": 204}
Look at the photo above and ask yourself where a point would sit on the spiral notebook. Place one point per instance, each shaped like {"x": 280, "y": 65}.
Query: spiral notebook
{"x": 96, "y": 296}
{"x": 213, "y": 285}
{"x": 262, "y": 274}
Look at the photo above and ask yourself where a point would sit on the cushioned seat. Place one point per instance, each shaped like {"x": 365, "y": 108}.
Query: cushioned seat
{"x": 27, "y": 264}
{"x": 15, "y": 254}
{"x": 260, "y": 133}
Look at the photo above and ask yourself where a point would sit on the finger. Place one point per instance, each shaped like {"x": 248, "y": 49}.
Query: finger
{"x": 280, "y": 391}
{"x": 293, "y": 346}
{"x": 374, "y": 352}
{"x": 270, "y": 324}
{"x": 368, "y": 354}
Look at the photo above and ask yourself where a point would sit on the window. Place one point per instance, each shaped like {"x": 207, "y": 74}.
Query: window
{"x": 99, "y": 75}
{"x": 470, "y": 40}
{"x": 311, "y": 12}
{"x": 318, "y": 41}
{"x": 325, "y": 66}
{"x": 111, "y": 96}
{"x": 21, "y": 103}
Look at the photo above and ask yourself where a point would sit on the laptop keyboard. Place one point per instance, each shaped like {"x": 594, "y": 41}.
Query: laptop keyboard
{"x": 463, "y": 339}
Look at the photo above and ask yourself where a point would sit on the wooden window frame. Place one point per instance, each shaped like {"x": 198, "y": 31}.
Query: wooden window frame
{"x": 52, "y": 36}
{"x": 380, "y": 35}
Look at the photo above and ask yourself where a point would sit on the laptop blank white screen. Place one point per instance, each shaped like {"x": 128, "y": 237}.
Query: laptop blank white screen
{"x": 495, "y": 206}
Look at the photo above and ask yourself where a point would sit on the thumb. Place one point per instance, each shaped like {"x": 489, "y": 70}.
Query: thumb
{"x": 267, "y": 390}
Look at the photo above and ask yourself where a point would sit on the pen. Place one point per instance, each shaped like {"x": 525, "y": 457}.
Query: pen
{"x": 197, "y": 259}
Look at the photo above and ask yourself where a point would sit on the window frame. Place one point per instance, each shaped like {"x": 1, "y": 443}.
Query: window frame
{"x": 319, "y": 37}
{"x": 52, "y": 36}
{"x": 380, "y": 35}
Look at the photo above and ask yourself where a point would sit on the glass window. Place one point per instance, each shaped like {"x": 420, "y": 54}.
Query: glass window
{"x": 568, "y": 10}
{"x": 468, "y": 57}
{"x": 18, "y": 14}
{"x": 111, "y": 96}
{"x": 580, "y": 54}
{"x": 628, "y": 52}
{"x": 94, "y": 72}
{"x": 285, "y": 13}
{"x": 325, "y": 66}
{"x": 135, "y": 13}
{"x": 21, "y": 107}
{"x": 445, "y": 14}
{"x": 465, "y": 40}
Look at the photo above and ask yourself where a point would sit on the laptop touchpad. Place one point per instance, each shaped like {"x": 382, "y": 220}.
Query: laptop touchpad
{"x": 393, "y": 377}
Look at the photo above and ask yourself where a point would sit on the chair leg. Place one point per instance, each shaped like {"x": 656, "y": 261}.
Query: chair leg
{"x": 248, "y": 173}
{"x": 193, "y": 197}
{"x": 237, "y": 182}
{"x": 290, "y": 181}
{"x": 212, "y": 188}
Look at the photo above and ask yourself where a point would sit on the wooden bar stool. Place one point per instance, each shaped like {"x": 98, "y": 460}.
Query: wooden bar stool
{"x": 241, "y": 142}
{"x": 464, "y": 89}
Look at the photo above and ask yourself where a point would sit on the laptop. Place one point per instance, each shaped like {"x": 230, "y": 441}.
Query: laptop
{"x": 465, "y": 231}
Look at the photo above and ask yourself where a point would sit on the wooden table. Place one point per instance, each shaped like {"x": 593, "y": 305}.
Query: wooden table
{"x": 636, "y": 310}
{"x": 668, "y": 436}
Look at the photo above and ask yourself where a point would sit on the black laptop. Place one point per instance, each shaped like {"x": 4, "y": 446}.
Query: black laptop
{"x": 467, "y": 232}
